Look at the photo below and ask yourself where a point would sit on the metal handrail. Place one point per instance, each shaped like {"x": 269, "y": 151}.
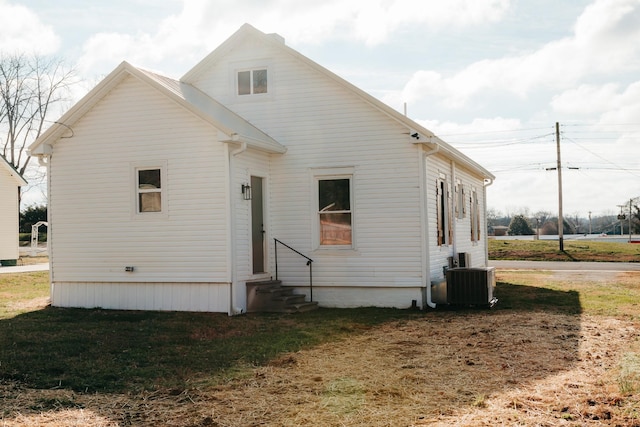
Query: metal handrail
{"x": 309, "y": 263}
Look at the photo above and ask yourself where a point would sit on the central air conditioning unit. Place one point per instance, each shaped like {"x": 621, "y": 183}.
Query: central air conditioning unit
{"x": 470, "y": 286}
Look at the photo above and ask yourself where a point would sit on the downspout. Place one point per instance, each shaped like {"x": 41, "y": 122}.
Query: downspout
{"x": 488, "y": 182}
{"x": 453, "y": 221}
{"x": 233, "y": 310}
{"x": 45, "y": 161}
{"x": 427, "y": 273}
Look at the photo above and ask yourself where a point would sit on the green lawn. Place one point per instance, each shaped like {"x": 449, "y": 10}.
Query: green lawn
{"x": 128, "y": 351}
{"x": 574, "y": 250}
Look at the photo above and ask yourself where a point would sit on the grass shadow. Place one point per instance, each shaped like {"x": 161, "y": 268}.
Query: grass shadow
{"x": 116, "y": 351}
{"x": 534, "y": 298}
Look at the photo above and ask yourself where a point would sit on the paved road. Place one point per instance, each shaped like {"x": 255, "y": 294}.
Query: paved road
{"x": 566, "y": 266}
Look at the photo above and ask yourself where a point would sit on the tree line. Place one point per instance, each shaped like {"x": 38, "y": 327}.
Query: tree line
{"x": 544, "y": 223}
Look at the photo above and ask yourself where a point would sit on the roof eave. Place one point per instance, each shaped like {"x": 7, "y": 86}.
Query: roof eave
{"x": 17, "y": 177}
{"x": 455, "y": 155}
{"x": 80, "y": 108}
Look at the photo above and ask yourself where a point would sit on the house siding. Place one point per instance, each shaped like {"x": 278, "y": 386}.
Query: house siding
{"x": 244, "y": 165}
{"x": 95, "y": 230}
{"x": 9, "y": 218}
{"x": 207, "y": 297}
{"x": 197, "y": 254}
{"x": 438, "y": 166}
{"x": 323, "y": 125}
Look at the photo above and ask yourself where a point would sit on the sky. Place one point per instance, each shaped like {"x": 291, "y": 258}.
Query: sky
{"x": 490, "y": 77}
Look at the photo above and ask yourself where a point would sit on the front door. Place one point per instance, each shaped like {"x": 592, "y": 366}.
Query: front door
{"x": 257, "y": 224}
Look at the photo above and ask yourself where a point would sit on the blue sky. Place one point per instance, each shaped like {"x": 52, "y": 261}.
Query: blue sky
{"x": 491, "y": 77}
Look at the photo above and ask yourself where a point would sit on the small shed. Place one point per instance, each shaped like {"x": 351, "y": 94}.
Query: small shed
{"x": 10, "y": 183}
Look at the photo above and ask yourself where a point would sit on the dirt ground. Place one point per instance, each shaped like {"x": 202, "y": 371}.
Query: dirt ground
{"x": 469, "y": 368}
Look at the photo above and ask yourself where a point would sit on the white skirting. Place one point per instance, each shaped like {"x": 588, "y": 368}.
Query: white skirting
{"x": 209, "y": 297}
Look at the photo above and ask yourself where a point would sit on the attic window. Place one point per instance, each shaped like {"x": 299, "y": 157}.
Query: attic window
{"x": 252, "y": 82}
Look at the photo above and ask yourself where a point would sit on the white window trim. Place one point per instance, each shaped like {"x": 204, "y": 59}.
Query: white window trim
{"x": 318, "y": 174}
{"x": 135, "y": 209}
{"x": 263, "y": 64}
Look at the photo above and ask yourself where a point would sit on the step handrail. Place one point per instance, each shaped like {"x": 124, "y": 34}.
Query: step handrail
{"x": 309, "y": 263}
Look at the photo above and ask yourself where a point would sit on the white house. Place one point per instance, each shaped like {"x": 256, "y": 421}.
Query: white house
{"x": 10, "y": 183}
{"x": 169, "y": 194}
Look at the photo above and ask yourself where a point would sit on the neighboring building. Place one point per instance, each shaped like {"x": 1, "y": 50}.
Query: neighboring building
{"x": 498, "y": 230}
{"x": 168, "y": 195}
{"x": 10, "y": 183}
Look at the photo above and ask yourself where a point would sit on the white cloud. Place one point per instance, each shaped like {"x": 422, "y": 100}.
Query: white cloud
{"x": 625, "y": 108}
{"x": 606, "y": 40}
{"x": 22, "y": 31}
{"x": 376, "y": 20}
{"x": 473, "y": 130}
{"x": 586, "y": 99}
{"x": 202, "y": 25}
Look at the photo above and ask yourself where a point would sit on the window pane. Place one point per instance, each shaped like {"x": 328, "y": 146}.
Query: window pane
{"x": 150, "y": 202}
{"x": 148, "y": 179}
{"x": 260, "y": 81}
{"x": 244, "y": 83}
{"x": 334, "y": 195}
{"x": 335, "y": 228}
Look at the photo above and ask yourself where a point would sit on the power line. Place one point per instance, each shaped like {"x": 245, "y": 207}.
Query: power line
{"x": 602, "y": 158}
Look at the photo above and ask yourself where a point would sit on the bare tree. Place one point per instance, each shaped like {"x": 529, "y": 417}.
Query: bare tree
{"x": 30, "y": 87}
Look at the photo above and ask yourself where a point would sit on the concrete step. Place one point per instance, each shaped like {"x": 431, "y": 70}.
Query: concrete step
{"x": 271, "y": 296}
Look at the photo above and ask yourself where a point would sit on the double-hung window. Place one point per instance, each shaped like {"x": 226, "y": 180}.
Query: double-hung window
{"x": 253, "y": 81}
{"x": 334, "y": 211}
{"x": 150, "y": 189}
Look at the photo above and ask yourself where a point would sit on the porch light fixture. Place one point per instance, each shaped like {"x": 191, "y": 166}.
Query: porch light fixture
{"x": 246, "y": 191}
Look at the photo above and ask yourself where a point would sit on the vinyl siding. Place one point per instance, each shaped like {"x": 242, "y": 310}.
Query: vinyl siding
{"x": 197, "y": 255}
{"x": 437, "y": 165}
{"x": 95, "y": 229}
{"x": 244, "y": 165}
{"x": 213, "y": 297}
{"x": 325, "y": 126}
{"x": 8, "y": 217}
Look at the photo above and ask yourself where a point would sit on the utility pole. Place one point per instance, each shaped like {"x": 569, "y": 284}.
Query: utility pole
{"x": 560, "y": 218}
{"x": 621, "y": 217}
{"x": 589, "y": 222}
{"x": 630, "y": 203}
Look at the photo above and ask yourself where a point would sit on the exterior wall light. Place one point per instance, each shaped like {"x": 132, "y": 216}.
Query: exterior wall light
{"x": 246, "y": 191}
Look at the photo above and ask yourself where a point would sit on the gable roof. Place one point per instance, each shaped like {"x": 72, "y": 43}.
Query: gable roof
{"x": 425, "y": 136}
{"x": 234, "y": 127}
{"x": 5, "y": 165}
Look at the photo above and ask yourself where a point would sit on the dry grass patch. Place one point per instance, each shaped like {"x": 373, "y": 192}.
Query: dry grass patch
{"x": 451, "y": 368}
